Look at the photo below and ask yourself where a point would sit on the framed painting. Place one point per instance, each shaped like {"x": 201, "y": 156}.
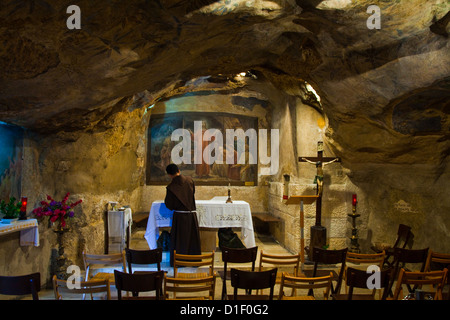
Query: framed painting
{"x": 212, "y": 148}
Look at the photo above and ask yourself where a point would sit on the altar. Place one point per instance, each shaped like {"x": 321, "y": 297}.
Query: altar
{"x": 29, "y": 233}
{"x": 211, "y": 214}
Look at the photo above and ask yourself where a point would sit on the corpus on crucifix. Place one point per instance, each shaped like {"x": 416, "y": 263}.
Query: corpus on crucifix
{"x": 318, "y": 232}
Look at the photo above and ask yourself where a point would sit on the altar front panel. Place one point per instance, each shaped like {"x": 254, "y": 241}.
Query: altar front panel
{"x": 210, "y": 214}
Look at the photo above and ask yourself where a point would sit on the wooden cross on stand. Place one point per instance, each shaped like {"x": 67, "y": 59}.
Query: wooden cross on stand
{"x": 318, "y": 232}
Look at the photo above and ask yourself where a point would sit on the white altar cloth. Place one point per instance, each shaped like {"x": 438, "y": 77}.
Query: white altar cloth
{"x": 29, "y": 234}
{"x": 214, "y": 213}
{"x": 119, "y": 226}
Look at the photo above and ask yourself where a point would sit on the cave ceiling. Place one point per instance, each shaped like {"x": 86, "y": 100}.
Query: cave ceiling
{"x": 395, "y": 79}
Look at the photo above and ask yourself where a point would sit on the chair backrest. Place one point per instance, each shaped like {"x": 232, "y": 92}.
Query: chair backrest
{"x": 411, "y": 256}
{"x": 190, "y": 288}
{"x": 239, "y": 255}
{"x": 91, "y": 286}
{"x": 193, "y": 260}
{"x": 434, "y": 279}
{"x": 143, "y": 257}
{"x": 437, "y": 261}
{"x": 103, "y": 259}
{"x": 330, "y": 257}
{"x": 282, "y": 261}
{"x": 248, "y": 280}
{"x": 21, "y": 285}
{"x": 305, "y": 283}
{"x": 365, "y": 258}
{"x": 360, "y": 279}
{"x": 139, "y": 282}
{"x": 403, "y": 233}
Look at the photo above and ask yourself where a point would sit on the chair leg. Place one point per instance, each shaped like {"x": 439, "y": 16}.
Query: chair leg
{"x": 224, "y": 289}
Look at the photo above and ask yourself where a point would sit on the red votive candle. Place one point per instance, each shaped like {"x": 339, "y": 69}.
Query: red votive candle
{"x": 354, "y": 200}
{"x": 24, "y": 204}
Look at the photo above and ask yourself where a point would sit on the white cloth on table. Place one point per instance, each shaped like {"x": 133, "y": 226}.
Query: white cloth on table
{"x": 118, "y": 223}
{"x": 29, "y": 237}
{"x": 29, "y": 233}
{"x": 214, "y": 213}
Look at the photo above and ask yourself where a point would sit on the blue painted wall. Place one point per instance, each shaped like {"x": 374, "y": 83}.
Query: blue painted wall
{"x": 11, "y": 150}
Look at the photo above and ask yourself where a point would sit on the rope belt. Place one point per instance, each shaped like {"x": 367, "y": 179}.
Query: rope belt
{"x": 185, "y": 211}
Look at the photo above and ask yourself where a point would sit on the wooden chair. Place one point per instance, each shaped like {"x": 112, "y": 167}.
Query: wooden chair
{"x": 361, "y": 261}
{"x": 93, "y": 286}
{"x": 103, "y": 260}
{"x": 410, "y": 256}
{"x": 328, "y": 257}
{"x": 358, "y": 279}
{"x": 249, "y": 280}
{"x": 92, "y": 261}
{"x": 143, "y": 257}
{"x": 435, "y": 279}
{"x": 404, "y": 235}
{"x": 233, "y": 255}
{"x": 285, "y": 263}
{"x": 193, "y": 261}
{"x": 439, "y": 261}
{"x": 139, "y": 282}
{"x": 21, "y": 285}
{"x": 189, "y": 288}
{"x": 304, "y": 283}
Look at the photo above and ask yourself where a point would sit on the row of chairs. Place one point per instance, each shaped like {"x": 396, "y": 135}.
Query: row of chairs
{"x": 315, "y": 277}
{"x": 251, "y": 279}
{"x": 350, "y": 271}
{"x": 142, "y": 281}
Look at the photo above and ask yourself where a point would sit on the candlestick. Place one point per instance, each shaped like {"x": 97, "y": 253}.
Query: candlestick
{"x": 354, "y": 238}
{"x": 23, "y": 209}
{"x": 229, "y": 195}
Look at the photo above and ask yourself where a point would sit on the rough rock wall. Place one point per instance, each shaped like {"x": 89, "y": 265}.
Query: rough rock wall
{"x": 384, "y": 92}
{"x": 97, "y": 167}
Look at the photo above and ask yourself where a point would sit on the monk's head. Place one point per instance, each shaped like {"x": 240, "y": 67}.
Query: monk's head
{"x": 172, "y": 170}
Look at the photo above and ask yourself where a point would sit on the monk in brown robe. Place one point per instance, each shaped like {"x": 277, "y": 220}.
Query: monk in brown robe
{"x": 180, "y": 197}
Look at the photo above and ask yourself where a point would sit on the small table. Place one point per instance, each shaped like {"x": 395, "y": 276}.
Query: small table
{"x": 29, "y": 234}
{"x": 215, "y": 213}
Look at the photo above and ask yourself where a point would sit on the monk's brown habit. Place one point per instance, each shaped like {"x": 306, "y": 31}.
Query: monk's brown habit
{"x": 184, "y": 235}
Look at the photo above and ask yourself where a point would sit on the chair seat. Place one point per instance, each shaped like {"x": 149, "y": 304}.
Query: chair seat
{"x": 321, "y": 273}
{"x": 221, "y": 273}
{"x": 104, "y": 276}
{"x": 193, "y": 275}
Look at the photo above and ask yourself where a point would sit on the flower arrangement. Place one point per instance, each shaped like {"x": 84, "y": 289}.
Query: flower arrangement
{"x": 56, "y": 210}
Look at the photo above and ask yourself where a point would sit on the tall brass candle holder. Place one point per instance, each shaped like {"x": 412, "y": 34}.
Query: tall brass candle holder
{"x": 354, "y": 247}
{"x": 229, "y": 195}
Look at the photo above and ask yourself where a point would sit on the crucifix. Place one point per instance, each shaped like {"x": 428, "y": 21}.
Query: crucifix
{"x": 318, "y": 232}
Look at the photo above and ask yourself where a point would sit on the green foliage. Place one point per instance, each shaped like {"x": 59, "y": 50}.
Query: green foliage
{"x": 10, "y": 210}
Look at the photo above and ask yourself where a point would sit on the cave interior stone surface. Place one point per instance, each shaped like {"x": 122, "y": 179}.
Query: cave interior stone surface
{"x": 377, "y": 98}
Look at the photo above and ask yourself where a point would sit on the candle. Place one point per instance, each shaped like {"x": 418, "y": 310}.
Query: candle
{"x": 354, "y": 200}
{"x": 24, "y": 204}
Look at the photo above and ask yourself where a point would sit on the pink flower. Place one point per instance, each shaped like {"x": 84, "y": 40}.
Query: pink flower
{"x": 56, "y": 210}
